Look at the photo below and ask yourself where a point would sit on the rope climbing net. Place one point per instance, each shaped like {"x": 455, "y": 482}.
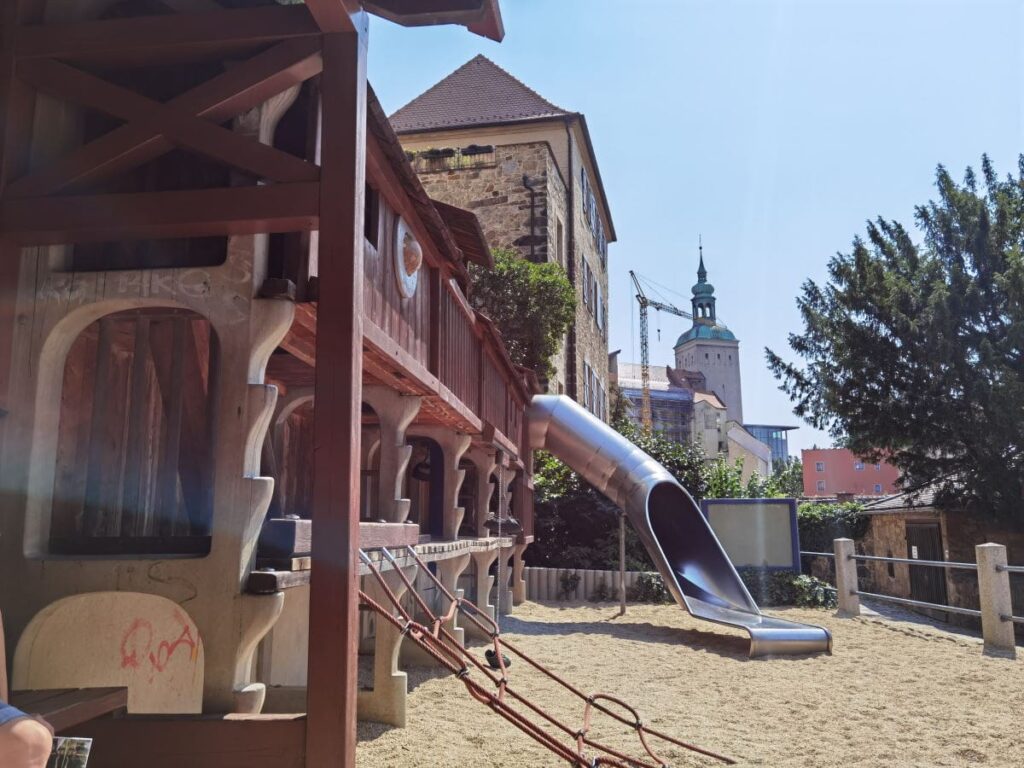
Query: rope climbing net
{"x": 491, "y": 686}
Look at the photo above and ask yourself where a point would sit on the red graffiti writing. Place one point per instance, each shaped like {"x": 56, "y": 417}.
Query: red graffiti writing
{"x": 137, "y": 645}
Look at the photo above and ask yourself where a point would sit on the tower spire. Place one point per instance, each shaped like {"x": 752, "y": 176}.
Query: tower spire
{"x": 702, "y": 274}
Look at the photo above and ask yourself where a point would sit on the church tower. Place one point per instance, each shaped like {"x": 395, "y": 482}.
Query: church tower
{"x": 711, "y": 349}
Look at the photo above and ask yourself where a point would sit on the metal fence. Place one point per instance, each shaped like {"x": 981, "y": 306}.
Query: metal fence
{"x": 996, "y": 613}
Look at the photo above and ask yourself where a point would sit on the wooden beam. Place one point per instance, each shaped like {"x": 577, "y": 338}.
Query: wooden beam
{"x": 331, "y": 15}
{"x": 93, "y": 514}
{"x": 192, "y": 6}
{"x": 202, "y": 741}
{"x": 135, "y": 504}
{"x": 154, "y": 38}
{"x": 243, "y": 152}
{"x": 168, "y": 520}
{"x": 333, "y": 597}
{"x": 143, "y": 215}
{"x": 242, "y": 87}
{"x": 65, "y": 708}
{"x": 17, "y": 108}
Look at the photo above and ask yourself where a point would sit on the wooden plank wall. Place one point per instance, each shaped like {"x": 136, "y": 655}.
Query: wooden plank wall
{"x": 460, "y": 350}
{"x": 134, "y": 430}
{"x": 407, "y": 321}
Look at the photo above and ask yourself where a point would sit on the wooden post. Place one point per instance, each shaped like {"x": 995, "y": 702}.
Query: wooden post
{"x": 846, "y": 578}
{"x": 622, "y": 565}
{"x": 333, "y": 599}
{"x": 994, "y": 597}
{"x": 17, "y": 106}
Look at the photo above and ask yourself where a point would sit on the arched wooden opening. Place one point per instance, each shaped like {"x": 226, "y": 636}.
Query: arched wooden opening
{"x": 369, "y": 466}
{"x": 293, "y": 490}
{"x": 134, "y": 464}
{"x": 425, "y": 481}
{"x": 468, "y": 499}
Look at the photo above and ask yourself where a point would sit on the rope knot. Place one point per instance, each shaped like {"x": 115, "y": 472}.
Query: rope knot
{"x": 462, "y": 673}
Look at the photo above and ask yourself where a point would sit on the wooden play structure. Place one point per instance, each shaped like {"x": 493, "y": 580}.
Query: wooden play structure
{"x": 235, "y": 347}
{"x": 243, "y": 392}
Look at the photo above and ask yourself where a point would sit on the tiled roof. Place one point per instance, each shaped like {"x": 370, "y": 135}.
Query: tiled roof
{"x": 708, "y": 397}
{"x": 922, "y": 498}
{"x": 477, "y": 93}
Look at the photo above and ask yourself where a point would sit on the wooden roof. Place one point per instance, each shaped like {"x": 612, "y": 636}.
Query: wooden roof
{"x": 469, "y": 236}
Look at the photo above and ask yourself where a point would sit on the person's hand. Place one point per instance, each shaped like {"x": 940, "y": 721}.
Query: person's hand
{"x": 43, "y": 722}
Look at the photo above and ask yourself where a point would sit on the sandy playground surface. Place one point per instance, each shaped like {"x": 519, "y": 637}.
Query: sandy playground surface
{"x": 894, "y": 693}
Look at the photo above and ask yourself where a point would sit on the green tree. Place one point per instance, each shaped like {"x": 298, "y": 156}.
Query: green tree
{"x": 789, "y": 477}
{"x": 913, "y": 351}
{"x": 531, "y": 304}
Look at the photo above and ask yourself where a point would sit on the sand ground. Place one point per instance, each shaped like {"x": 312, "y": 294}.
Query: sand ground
{"x": 894, "y": 693}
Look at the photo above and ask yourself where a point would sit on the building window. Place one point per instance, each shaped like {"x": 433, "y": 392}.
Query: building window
{"x": 559, "y": 242}
{"x": 819, "y": 466}
{"x": 858, "y": 466}
{"x": 586, "y": 283}
{"x": 821, "y": 486}
{"x": 878, "y": 488}
{"x": 878, "y": 467}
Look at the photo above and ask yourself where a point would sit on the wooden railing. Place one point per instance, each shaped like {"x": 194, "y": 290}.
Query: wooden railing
{"x": 461, "y": 349}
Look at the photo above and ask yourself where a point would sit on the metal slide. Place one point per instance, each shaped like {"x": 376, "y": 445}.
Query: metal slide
{"x": 678, "y": 538}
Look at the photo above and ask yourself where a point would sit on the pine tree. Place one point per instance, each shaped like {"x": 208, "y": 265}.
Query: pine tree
{"x": 912, "y": 350}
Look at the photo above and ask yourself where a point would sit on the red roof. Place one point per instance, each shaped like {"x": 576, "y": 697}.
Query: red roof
{"x": 477, "y": 93}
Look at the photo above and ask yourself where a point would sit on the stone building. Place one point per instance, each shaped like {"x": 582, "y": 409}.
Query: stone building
{"x": 710, "y": 348}
{"x": 910, "y": 525}
{"x": 683, "y": 411}
{"x": 482, "y": 140}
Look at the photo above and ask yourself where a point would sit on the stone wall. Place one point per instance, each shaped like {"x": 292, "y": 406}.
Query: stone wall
{"x": 886, "y": 537}
{"x": 536, "y": 223}
{"x": 591, "y": 341}
{"x": 962, "y": 531}
{"x": 511, "y": 215}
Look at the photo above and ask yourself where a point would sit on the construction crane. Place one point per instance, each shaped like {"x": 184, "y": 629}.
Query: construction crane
{"x": 645, "y": 349}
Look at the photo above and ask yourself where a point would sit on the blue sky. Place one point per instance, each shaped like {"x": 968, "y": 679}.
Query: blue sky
{"x": 773, "y": 128}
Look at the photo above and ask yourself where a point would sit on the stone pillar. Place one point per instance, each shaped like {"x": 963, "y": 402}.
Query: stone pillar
{"x": 395, "y": 412}
{"x": 994, "y": 596}
{"x": 846, "y": 579}
{"x": 453, "y": 446}
{"x": 505, "y": 577}
{"x": 485, "y": 460}
{"x": 484, "y": 581}
{"x": 387, "y": 702}
{"x": 518, "y": 582}
{"x": 448, "y": 573}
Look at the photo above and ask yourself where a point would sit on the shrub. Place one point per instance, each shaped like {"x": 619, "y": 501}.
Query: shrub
{"x": 601, "y": 593}
{"x": 820, "y": 523}
{"x": 567, "y": 583}
{"x": 812, "y": 592}
{"x": 787, "y": 588}
{"x": 649, "y": 588}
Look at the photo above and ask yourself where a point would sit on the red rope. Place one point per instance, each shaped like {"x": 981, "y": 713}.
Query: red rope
{"x": 442, "y": 646}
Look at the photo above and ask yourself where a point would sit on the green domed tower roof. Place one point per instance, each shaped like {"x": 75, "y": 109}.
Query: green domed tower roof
{"x": 705, "y": 323}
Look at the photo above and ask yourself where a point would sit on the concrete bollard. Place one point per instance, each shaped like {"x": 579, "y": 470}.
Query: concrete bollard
{"x": 846, "y": 579}
{"x": 994, "y": 596}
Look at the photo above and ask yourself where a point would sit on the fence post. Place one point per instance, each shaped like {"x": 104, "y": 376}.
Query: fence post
{"x": 846, "y": 578}
{"x": 994, "y": 596}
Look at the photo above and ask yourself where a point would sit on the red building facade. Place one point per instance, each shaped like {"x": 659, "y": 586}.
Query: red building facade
{"x": 832, "y": 471}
